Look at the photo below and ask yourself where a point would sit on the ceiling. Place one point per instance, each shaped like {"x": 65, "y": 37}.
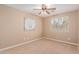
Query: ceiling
{"x": 60, "y": 8}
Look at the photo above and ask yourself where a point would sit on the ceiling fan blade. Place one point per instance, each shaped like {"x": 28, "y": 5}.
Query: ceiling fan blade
{"x": 47, "y": 12}
{"x": 51, "y": 9}
{"x": 37, "y": 9}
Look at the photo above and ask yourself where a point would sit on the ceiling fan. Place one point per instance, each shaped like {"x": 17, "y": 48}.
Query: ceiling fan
{"x": 44, "y": 8}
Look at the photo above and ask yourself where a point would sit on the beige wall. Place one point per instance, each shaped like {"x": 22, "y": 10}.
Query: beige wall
{"x": 78, "y": 30}
{"x": 12, "y": 26}
{"x": 70, "y": 36}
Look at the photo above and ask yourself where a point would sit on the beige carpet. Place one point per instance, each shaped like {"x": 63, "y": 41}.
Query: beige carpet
{"x": 43, "y": 46}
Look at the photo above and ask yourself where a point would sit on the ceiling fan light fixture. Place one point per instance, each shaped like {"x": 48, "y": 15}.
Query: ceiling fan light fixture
{"x": 45, "y": 10}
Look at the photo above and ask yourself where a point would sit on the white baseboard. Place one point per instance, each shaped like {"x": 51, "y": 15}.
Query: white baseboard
{"x": 70, "y": 43}
{"x": 20, "y": 44}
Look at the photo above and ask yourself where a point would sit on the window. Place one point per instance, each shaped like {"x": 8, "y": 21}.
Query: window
{"x": 30, "y": 24}
{"x": 60, "y": 24}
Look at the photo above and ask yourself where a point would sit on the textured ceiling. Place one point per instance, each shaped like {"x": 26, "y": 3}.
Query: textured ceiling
{"x": 60, "y": 8}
